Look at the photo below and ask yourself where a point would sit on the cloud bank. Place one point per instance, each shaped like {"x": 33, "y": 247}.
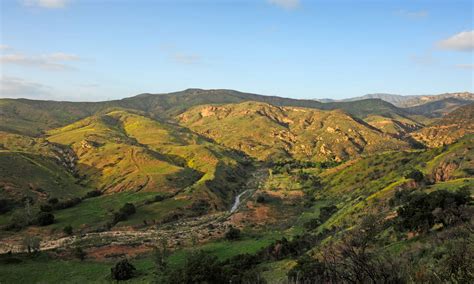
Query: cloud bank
{"x": 463, "y": 41}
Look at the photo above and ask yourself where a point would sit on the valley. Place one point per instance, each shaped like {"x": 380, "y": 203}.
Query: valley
{"x": 160, "y": 179}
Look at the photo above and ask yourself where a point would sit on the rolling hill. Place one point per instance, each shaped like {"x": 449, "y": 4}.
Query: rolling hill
{"x": 31, "y": 117}
{"x": 449, "y": 128}
{"x": 267, "y": 132}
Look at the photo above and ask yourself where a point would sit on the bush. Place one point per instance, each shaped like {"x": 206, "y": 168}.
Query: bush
{"x": 128, "y": 209}
{"x": 424, "y": 210}
{"x": 53, "y": 201}
{"x": 416, "y": 175}
{"x": 123, "y": 270}
{"x": 5, "y": 205}
{"x": 79, "y": 253}
{"x": 68, "y": 230}
{"x": 66, "y": 203}
{"x": 260, "y": 199}
{"x": 93, "y": 193}
{"x": 46, "y": 208}
{"x": 326, "y": 212}
{"x": 308, "y": 270}
{"x": 45, "y": 219}
{"x": 312, "y": 224}
{"x": 199, "y": 267}
{"x": 232, "y": 234}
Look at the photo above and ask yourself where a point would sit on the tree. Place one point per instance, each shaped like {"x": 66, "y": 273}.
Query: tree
{"x": 416, "y": 175}
{"x": 161, "y": 253}
{"x": 232, "y": 234}
{"x": 79, "y": 253}
{"x": 260, "y": 198}
{"x": 308, "y": 270}
{"x": 53, "y": 201}
{"x": 46, "y": 208}
{"x": 199, "y": 267}
{"x": 128, "y": 209}
{"x": 123, "y": 270}
{"x": 32, "y": 243}
{"x": 68, "y": 230}
{"x": 45, "y": 219}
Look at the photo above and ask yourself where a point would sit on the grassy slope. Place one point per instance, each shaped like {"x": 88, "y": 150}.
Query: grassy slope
{"x": 34, "y": 167}
{"x": 32, "y": 117}
{"x": 268, "y": 132}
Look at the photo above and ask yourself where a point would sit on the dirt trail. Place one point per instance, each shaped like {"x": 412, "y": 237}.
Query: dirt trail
{"x": 177, "y": 233}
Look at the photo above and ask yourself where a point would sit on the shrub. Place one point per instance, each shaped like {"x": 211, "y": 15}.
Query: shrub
{"x": 45, "y": 219}
{"x": 326, "y": 212}
{"x": 199, "y": 267}
{"x": 53, "y": 201}
{"x": 5, "y": 205}
{"x": 416, "y": 175}
{"x": 128, "y": 209}
{"x": 93, "y": 193}
{"x": 260, "y": 199}
{"x": 232, "y": 234}
{"x": 424, "y": 210}
{"x": 46, "y": 208}
{"x": 32, "y": 244}
{"x": 68, "y": 230}
{"x": 308, "y": 270}
{"x": 312, "y": 224}
{"x": 79, "y": 253}
{"x": 123, "y": 270}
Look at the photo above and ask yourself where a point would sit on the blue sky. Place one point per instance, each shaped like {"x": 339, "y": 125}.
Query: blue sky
{"x": 97, "y": 50}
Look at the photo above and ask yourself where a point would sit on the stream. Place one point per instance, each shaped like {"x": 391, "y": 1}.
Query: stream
{"x": 237, "y": 201}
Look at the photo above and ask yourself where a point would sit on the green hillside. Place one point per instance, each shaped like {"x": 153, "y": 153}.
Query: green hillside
{"x": 33, "y": 117}
{"x": 267, "y": 132}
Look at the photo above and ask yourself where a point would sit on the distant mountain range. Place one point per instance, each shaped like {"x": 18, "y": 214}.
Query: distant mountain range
{"x": 407, "y": 101}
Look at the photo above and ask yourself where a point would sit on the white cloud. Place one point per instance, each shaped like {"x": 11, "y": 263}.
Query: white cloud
{"x": 413, "y": 14}
{"x": 465, "y": 66}
{"x": 463, "y": 41}
{"x": 4, "y": 47}
{"x": 285, "y": 4}
{"x": 13, "y": 87}
{"x": 48, "y": 4}
{"x": 52, "y": 61}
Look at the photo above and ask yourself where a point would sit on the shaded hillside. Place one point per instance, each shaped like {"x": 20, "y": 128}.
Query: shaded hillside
{"x": 35, "y": 168}
{"x": 407, "y": 101}
{"x": 271, "y": 133}
{"x": 438, "y": 108}
{"x": 449, "y": 128}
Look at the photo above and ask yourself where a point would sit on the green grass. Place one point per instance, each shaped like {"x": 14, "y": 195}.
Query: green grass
{"x": 97, "y": 210}
{"x": 42, "y": 269}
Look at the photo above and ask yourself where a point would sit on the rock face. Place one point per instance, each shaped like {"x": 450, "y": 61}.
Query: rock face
{"x": 268, "y": 132}
{"x": 444, "y": 171}
{"x": 448, "y": 129}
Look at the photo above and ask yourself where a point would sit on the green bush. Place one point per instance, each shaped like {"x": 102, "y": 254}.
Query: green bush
{"x": 232, "y": 234}
{"x": 45, "y": 219}
{"x": 123, "y": 270}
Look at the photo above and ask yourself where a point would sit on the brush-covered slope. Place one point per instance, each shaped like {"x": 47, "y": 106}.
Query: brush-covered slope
{"x": 448, "y": 129}
{"x": 396, "y": 125}
{"x": 268, "y": 132}
{"x": 36, "y": 168}
{"x": 438, "y": 108}
{"x": 32, "y": 117}
{"x": 124, "y": 151}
